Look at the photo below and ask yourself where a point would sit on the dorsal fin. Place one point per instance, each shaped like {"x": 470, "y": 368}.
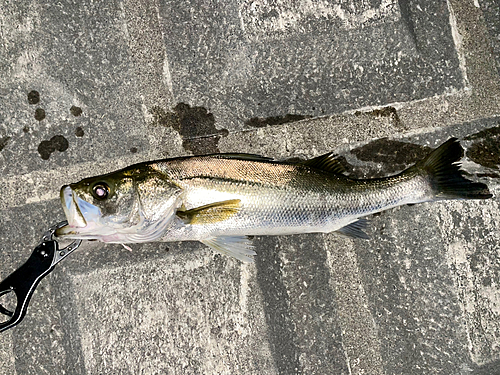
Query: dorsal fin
{"x": 327, "y": 162}
{"x": 250, "y": 157}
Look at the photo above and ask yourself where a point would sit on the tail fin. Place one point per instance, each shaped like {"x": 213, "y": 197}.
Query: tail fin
{"x": 445, "y": 174}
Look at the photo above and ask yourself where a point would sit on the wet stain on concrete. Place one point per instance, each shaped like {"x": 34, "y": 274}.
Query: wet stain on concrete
{"x": 195, "y": 124}
{"x": 57, "y": 142}
{"x": 490, "y": 175}
{"x": 486, "y": 148}
{"x": 33, "y": 97}
{"x": 3, "y": 142}
{"x": 79, "y": 132}
{"x": 39, "y": 114}
{"x": 394, "y": 155}
{"x": 486, "y": 133}
{"x": 389, "y": 112}
{"x": 75, "y": 111}
{"x": 260, "y": 122}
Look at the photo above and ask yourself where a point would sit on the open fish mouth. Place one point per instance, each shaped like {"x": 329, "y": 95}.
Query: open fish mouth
{"x": 81, "y": 215}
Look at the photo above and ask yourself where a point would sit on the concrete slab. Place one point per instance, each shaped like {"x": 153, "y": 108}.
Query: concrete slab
{"x": 260, "y": 59}
{"x": 132, "y": 81}
{"x": 162, "y": 303}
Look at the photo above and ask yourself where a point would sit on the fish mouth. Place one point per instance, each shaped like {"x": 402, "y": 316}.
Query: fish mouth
{"x": 79, "y": 214}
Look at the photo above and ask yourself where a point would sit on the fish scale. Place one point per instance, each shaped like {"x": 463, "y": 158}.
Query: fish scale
{"x": 293, "y": 199}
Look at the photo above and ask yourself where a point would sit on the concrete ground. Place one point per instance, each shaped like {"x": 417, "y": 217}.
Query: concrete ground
{"x": 87, "y": 87}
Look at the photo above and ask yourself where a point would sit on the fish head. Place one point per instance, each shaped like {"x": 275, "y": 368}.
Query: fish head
{"x": 131, "y": 205}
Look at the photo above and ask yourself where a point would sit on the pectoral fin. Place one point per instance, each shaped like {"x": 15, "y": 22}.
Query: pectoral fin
{"x": 239, "y": 247}
{"x": 355, "y": 229}
{"x": 210, "y": 213}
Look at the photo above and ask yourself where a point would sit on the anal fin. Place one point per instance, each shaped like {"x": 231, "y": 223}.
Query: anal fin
{"x": 355, "y": 229}
{"x": 239, "y": 247}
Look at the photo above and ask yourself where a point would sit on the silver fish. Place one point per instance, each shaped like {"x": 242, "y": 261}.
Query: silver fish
{"x": 221, "y": 199}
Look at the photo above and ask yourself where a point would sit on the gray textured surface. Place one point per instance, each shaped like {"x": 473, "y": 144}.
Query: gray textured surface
{"x": 170, "y": 78}
{"x": 260, "y": 58}
{"x": 491, "y": 11}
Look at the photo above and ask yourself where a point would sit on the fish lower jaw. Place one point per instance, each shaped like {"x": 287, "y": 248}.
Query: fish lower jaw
{"x": 65, "y": 231}
{"x": 103, "y": 233}
{"x": 87, "y": 232}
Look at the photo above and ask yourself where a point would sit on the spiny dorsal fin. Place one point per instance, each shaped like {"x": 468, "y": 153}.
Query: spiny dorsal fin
{"x": 210, "y": 213}
{"x": 327, "y": 162}
{"x": 239, "y": 247}
{"x": 355, "y": 229}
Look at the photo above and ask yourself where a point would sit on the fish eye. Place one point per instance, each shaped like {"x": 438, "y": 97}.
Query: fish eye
{"x": 100, "y": 190}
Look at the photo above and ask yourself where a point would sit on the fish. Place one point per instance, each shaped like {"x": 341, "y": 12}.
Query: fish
{"x": 222, "y": 199}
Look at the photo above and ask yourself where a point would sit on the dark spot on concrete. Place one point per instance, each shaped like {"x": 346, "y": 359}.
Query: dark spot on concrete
{"x": 133, "y": 150}
{"x": 33, "y": 97}
{"x": 486, "y": 148}
{"x": 260, "y": 122}
{"x": 3, "y": 142}
{"x": 394, "y": 155}
{"x": 39, "y": 114}
{"x": 195, "y": 124}
{"x": 45, "y": 148}
{"x": 75, "y": 111}
{"x": 58, "y": 142}
{"x": 79, "y": 132}
{"x": 389, "y": 112}
{"x": 26, "y": 129}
